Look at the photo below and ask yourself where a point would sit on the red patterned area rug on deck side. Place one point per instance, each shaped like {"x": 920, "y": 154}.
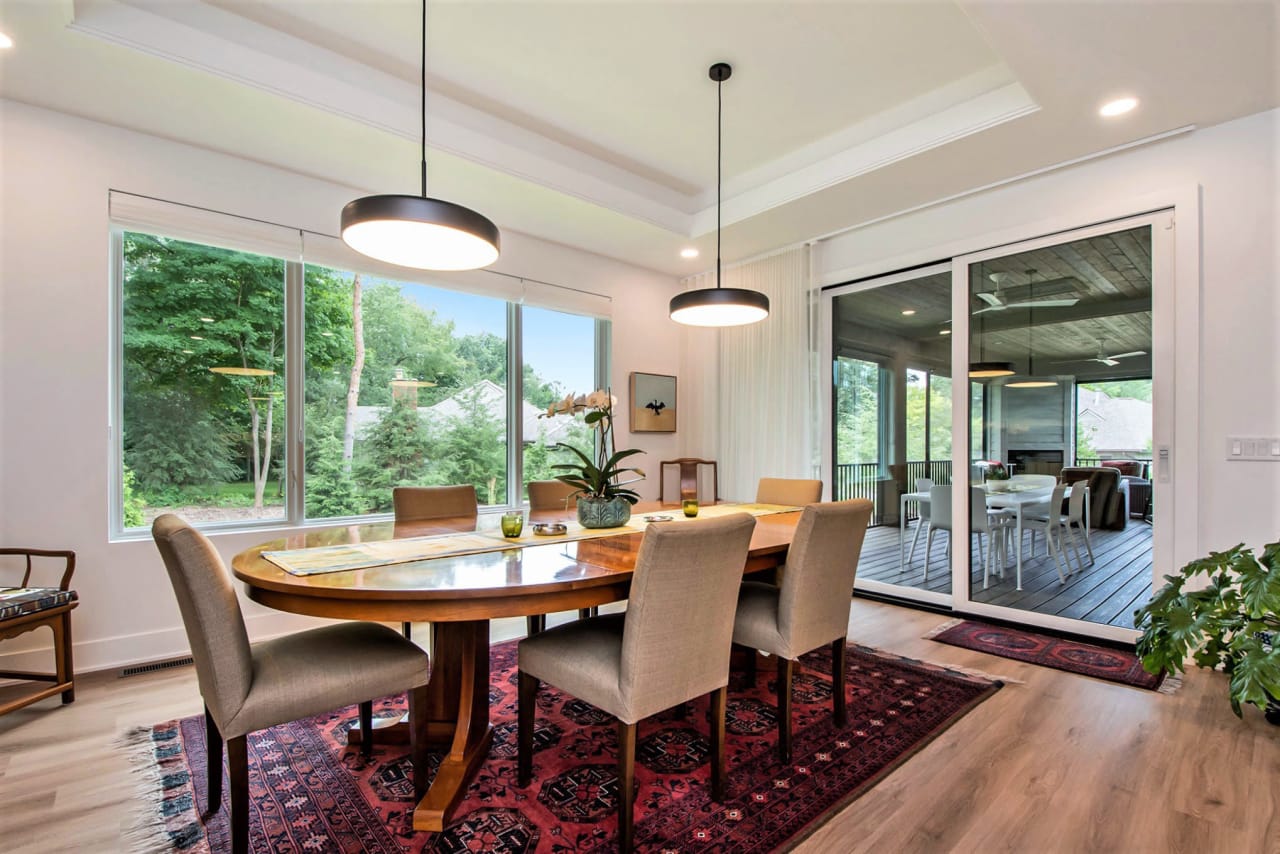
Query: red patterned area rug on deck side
{"x": 310, "y": 792}
{"x": 1086, "y": 659}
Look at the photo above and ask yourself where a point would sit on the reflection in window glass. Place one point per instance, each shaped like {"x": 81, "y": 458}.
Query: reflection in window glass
{"x": 559, "y": 359}
{"x": 405, "y": 386}
{"x": 203, "y": 382}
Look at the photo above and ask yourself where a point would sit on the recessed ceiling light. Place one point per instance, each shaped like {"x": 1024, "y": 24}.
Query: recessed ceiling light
{"x": 907, "y": 312}
{"x": 689, "y": 252}
{"x": 197, "y": 338}
{"x": 944, "y": 331}
{"x": 1118, "y": 107}
{"x": 206, "y": 320}
{"x": 5, "y": 41}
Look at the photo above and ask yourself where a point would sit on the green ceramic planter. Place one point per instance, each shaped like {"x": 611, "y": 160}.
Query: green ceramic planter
{"x": 603, "y": 512}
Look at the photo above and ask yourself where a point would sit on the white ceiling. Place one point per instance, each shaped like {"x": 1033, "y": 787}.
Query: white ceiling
{"x": 593, "y": 124}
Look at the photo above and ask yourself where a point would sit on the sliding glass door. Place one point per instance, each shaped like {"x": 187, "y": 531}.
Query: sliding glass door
{"x": 891, "y": 420}
{"x": 1063, "y": 517}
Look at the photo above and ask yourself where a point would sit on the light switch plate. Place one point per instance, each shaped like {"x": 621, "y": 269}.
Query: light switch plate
{"x": 1253, "y": 448}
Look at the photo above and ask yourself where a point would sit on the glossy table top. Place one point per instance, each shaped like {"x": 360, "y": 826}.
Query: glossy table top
{"x": 530, "y": 570}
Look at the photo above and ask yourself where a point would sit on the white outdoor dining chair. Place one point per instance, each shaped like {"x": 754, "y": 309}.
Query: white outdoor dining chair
{"x": 923, "y": 484}
{"x": 981, "y": 522}
{"x": 1048, "y": 518}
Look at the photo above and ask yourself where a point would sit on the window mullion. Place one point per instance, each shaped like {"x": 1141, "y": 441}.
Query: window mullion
{"x": 515, "y": 406}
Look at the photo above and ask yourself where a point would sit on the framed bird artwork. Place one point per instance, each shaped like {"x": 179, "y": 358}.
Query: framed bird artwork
{"x": 653, "y": 403}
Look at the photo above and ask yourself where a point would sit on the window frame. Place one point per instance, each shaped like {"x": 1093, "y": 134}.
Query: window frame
{"x": 294, "y": 434}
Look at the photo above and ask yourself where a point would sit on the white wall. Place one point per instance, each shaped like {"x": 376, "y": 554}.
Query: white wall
{"x": 1234, "y": 166}
{"x": 56, "y": 171}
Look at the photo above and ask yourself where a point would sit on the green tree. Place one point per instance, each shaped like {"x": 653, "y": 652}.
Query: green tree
{"x": 472, "y": 449}
{"x": 399, "y": 332}
{"x": 396, "y": 453}
{"x": 331, "y": 490}
{"x": 171, "y": 443}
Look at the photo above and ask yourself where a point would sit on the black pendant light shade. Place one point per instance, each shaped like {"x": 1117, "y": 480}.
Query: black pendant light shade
{"x": 417, "y": 231}
{"x": 979, "y": 370}
{"x": 719, "y": 306}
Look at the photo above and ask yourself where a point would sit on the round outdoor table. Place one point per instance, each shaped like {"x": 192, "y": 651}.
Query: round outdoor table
{"x": 459, "y": 595}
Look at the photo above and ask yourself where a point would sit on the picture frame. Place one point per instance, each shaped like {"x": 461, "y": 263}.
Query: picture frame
{"x": 653, "y": 403}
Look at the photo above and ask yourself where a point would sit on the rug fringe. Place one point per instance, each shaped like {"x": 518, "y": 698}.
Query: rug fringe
{"x": 940, "y": 628}
{"x": 146, "y": 832}
{"x": 1171, "y": 683}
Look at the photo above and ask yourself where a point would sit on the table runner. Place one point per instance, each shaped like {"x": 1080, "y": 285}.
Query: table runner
{"x": 343, "y": 558}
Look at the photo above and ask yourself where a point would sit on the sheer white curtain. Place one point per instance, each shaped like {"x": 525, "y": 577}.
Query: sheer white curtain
{"x": 762, "y": 425}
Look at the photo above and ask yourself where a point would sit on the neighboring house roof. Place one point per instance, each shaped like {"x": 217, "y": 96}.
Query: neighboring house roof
{"x": 1115, "y": 423}
{"x": 492, "y": 398}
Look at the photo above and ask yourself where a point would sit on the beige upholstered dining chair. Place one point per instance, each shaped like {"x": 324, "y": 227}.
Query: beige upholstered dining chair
{"x": 425, "y": 503}
{"x": 544, "y": 496}
{"x": 251, "y": 687}
{"x": 811, "y": 607}
{"x": 671, "y": 645}
{"x": 790, "y": 491}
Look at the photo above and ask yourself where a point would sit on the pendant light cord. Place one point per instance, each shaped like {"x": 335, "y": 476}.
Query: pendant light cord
{"x": 423, "y": 113}
{"x": 719, "y": 168}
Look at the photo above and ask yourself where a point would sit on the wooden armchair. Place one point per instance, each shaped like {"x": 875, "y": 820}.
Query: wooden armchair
{"x": 689, "y": 468}
{"x": 25, "y": 608}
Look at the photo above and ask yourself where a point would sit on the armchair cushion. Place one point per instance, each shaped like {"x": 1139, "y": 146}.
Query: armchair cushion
{"x": 1108, "y": 495}
{"x": 1127, "y": 468}
{"x": 17, "y": 601}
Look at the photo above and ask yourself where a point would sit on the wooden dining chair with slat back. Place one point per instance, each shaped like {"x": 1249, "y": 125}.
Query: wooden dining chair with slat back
{"x": 25, "y": 608}
{"x": 425, "y": 503}
{"x": 689, "y": 469}
{"x": 552, "y": 496}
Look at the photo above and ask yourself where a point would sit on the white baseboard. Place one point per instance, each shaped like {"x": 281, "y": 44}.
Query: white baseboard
{"x": 146, "y": 647}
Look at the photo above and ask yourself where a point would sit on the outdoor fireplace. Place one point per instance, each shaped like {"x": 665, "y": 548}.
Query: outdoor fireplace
{"x": 1036, "y": 462}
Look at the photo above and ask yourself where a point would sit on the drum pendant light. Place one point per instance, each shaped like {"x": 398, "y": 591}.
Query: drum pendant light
{"x": 719, "y": 306}
{"x": 417, "y": 231}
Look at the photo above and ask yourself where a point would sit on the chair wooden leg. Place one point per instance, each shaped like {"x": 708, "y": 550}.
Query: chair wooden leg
{"x": 584, "y": 613}
{"x": 238, "y": 764}
{"x": 626, "y": 786}
{"x": 715, "y": 718}
{"x": 213, "y": 757}
{"x": 839, "y": 662}
{"x": 366, "y": 729}
{"x": 418, "y": 705}
{"x": 62, "y": 649}
{"x": 786, "y": 667}
{"x": 407, "y": 630}
{"x": 527, "y": 696}
{"x": 535, "y": 623}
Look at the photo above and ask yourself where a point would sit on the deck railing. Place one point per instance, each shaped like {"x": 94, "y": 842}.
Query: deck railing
{"x": 871, "y": 481}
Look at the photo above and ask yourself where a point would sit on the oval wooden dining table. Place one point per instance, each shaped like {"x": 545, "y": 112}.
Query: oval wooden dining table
{"x": 459, "y": 595}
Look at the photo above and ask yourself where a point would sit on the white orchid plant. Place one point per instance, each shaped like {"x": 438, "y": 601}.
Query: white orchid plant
{"x": 599, "y": 477}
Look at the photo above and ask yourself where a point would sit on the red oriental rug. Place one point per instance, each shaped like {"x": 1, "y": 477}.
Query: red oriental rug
{"x": 1087, "y": 659}
{"x": 310, "y": 792}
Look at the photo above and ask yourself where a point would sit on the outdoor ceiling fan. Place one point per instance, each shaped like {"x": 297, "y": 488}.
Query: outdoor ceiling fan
{"x": 995, "y": 303}
{"x": 1103, "y": 358}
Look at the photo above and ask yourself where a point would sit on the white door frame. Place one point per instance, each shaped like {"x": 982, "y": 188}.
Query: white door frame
{"x": 1169, "y": 398}
{"x": 825, "y": 315}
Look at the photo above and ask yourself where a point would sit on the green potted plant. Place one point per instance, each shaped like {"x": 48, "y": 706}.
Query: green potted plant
{"x": 997, "y": 476}
{"x": 1231, "y": 624}
{"x": 603, "y": 499}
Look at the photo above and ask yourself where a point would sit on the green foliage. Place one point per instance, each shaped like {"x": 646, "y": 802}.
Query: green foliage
{"x": 1134, "y": 389}
{"x": 472, "y": 449}
{"x": 400, "y": 333}
{"x": 172, "y": 443}
{"x": 596, "y": 480}
{"x": 331, "y": 491}
{"x": 1218, "y": 624}
{"x": 132, "y": 503}
{"x": 396, "y": 452}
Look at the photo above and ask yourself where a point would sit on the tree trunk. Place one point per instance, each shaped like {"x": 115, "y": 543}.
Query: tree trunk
{"x": 255, "y": 456}
{"x": 260, "y": 472}
{"x": 357, "y": 367}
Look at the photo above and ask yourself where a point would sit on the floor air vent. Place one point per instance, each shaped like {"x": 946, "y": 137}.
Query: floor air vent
{"x": 159, "y": 665}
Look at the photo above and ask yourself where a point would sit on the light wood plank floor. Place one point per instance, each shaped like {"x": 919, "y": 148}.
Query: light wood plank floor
{"x": 1056, "y": 763}
{"x": 1107, "y": 591}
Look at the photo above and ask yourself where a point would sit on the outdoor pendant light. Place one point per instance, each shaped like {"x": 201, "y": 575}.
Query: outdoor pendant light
{"x": 1029, "y": 382}
{"x": 416, "y": 231}
{"x": 983, "y": 369}
{"x": 719, "y": 306}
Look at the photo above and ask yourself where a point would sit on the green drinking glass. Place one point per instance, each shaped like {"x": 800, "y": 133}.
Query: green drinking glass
{"x": 690, "y": 507}
{"x": 512, "y": 524}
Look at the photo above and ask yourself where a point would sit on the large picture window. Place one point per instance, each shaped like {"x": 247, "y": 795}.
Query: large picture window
{"x": 401, "y": 383}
